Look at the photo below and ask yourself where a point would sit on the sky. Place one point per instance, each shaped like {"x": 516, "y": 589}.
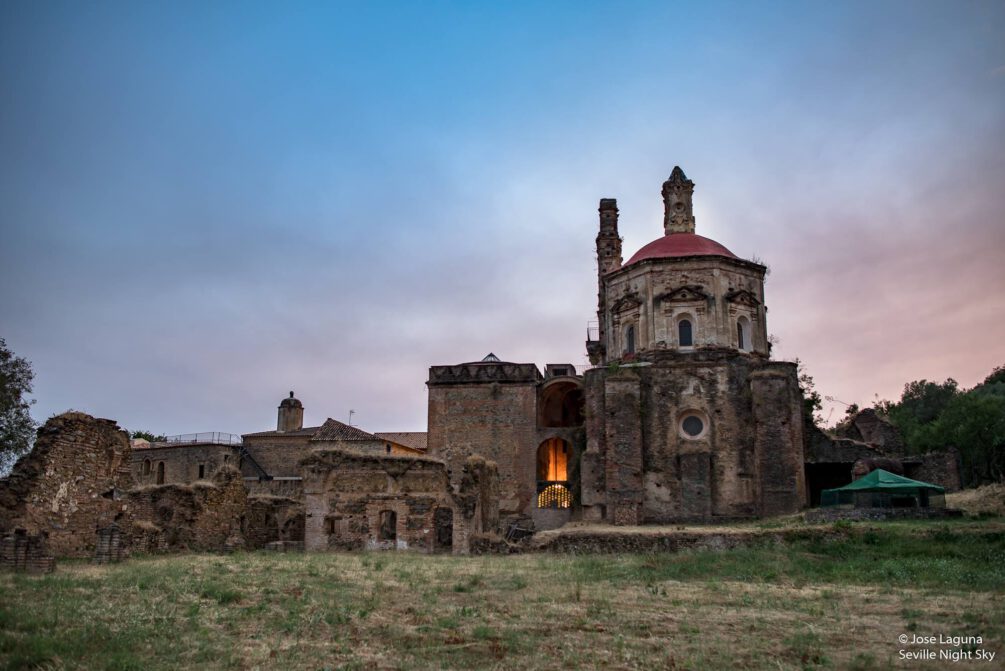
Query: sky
{"x": 206, "y": 205}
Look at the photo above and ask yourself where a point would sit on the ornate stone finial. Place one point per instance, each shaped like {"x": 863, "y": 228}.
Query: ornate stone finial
{"x": 677, "y": 212}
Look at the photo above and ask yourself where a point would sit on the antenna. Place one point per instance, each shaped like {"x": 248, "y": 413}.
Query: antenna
{"x": 351, "y": 413}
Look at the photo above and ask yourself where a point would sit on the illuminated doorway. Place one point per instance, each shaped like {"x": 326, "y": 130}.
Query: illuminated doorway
{"x": 553, "y": 474}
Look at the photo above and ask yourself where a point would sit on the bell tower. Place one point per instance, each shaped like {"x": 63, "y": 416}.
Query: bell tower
{"x": 678, "y": 216}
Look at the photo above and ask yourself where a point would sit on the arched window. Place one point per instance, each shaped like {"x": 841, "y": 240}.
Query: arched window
{"x": 743, "y": 334}
{"x": 160, "y": 472}
{"x": 553, "y": 474}
{"x": 146, "y": 467}
{"x": 630, "y": 340}
{"x": 684, "y": 335}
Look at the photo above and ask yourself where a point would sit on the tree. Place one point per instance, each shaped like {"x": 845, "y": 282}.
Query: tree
{"x": 17, "y": 428}
{"x": 919, "y": 407}
{"x": 813, "y": 403}
{"x": 974, "y": 423}
{"x": 147, "y": 435}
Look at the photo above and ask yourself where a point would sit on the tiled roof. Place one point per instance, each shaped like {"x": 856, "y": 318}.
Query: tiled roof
{"x": 306, "y": 431}
{"x": 333, "y": 430}
{"x": 413, "y": 439}
{"x": 680, "y": 244}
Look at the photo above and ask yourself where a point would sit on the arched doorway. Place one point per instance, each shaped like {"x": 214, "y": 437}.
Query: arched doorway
{"x": 160, "y": 472}
{"x": 553, "y": 474}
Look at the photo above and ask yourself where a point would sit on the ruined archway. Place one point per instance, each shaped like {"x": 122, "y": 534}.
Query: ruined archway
{"x": 561, "y": 404}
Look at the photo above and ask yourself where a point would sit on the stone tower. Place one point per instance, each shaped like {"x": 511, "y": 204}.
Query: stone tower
{"x": 678, "y": 216}
{"x": 291, "y": 415}
{"x": 687, "y": 417}
{"x": 608, "y": 240}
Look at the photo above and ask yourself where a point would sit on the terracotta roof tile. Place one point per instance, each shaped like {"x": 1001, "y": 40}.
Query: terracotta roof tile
{"x": 333, "y": 430}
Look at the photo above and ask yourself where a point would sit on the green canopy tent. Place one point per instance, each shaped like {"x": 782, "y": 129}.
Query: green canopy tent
{"x": 883, "y": 489}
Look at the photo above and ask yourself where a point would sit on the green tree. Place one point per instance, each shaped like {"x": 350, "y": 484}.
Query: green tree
{"x": 147, "y": 435}
{"x": 974, "y": 423}
{"x": 17, "y": 428}
{"x": 813, "y": 403}
{"x": 919, "y": 407}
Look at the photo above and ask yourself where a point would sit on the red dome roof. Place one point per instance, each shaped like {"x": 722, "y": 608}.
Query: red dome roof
{"x": 680, "y": 244}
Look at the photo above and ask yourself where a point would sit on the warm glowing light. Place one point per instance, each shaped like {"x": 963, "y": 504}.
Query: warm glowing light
{"x": 555, "y": 496}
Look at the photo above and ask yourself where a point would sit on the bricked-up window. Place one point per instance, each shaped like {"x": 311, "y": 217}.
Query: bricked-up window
{"x": 553, "y": 474}
{"x": 388, "y": 526}
{"x": 684, "y": 334}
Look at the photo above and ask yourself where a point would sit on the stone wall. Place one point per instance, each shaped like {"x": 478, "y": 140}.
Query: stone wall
{"x": 181, "y": 462}
{"x": 70, "y": 485}
{"x": 278, "y": 455}
{"x": 202, "y": 516}
{"x": 20, "y": 551}
{"x": 271, "y": 519}
{"x": 355, "y": 501}
{"x": 937, "y": 468}
{"x": 488, "y": 410}
{"x": 640, "y": 466}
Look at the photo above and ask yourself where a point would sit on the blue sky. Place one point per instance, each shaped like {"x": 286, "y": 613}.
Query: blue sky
{"x": 204, "y": 205}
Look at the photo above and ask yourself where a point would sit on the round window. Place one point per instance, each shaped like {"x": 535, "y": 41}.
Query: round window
{"x": 693, "y": 426}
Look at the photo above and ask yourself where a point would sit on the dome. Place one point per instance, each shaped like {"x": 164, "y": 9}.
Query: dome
{"x": 679, "y": 245}
{"x": 291, "y": 402}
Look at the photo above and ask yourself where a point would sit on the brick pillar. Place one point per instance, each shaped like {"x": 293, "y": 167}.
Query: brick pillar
{"x": 778, "y": 440}
{"x": 623, "y": 437}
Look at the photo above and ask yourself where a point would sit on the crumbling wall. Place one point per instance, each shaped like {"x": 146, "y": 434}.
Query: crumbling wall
{"x": 202, "y": 516}
{"x": 938, "y": 468}
{"x": 361, "y": 501}
{"x": 70, "y": 485}
{"x": 868, "y": 426}
{"x": 273, "y": 518}
{"x": 20, "y": 551}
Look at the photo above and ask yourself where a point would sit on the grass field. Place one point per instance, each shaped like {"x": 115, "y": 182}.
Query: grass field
{"x": 835, "y": 601}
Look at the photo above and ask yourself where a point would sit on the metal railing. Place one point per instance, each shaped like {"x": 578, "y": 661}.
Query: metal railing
{"x": 593, "y": 331}
{"x": 216, "y": 437}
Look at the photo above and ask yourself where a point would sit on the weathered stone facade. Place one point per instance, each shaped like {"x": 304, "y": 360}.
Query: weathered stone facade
{"x": 202, "y": 516}
{"x": 686, "y": 416}
{"x": 361, "y": 501}
{"x": 507, "y": 413}
{"x": 70, "y": 485}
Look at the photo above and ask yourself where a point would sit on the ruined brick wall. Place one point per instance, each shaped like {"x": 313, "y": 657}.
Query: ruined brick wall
{"x": 20, "y": 551}
{"x": 868, "y": 426}
{"x": 282, "y": 487}
{"x": 70, "y": 484}
{"x": 490, "y": 411}
{"x": 355, "y": 501}
{"x": 202, "y": 516}
{"x": 181, "y": 463}
{"x": 937, "y": 468}
{"x": 273, "y": 518}
{"x": 641, "y": 465}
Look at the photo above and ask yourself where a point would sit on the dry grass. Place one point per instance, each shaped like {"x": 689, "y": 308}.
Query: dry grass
{"x": 775, "y": 607}
{"x": 986, "y": 500}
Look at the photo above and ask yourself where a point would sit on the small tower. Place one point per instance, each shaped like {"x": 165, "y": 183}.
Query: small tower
{"x": 291, "y": 415}
{"x": 678, "y": 217}
{"x": 608, "y": 240}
